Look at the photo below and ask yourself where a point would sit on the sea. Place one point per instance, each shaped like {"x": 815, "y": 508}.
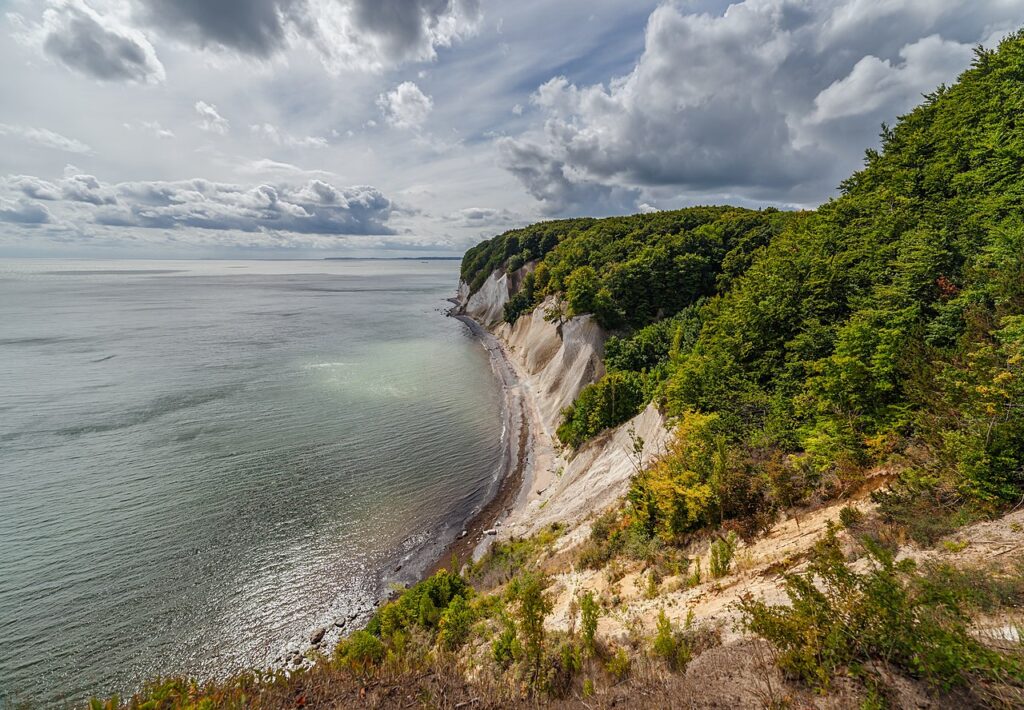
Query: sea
{"x": 203, "y": 461}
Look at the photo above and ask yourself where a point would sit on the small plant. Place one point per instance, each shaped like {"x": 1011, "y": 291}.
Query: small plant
{"x": 456, "y": 620}
{"x": 533, "y": 605}
{"x": 693, "y": 580}
{"x": 671, "y": 645}
{"x": 652, "y": 585}
{"x": 360, "y": 651}
{"x": 850, "y": 517}
{"x": 506, "y": 647}
{"x": 588, "y": 688}
{"x": 619, "y": 664}
{"x": 590, "y": 611}
{"x": 955, "y": 546}
{"x": 722, "y": 551}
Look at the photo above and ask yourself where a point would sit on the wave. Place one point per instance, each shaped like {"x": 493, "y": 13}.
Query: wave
{"x": 159, "y": 407}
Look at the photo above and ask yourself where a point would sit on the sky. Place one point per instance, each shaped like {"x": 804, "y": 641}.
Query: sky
{"x": 309, "y": 128}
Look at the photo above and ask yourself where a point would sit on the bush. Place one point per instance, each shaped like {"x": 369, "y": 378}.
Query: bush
{"x": 532, "y": 605}
{"x": 722, "y": 551}
{"x": 850, "y": 517}
{"x": 455, "y": 623}
{"x": 619, "y": 665}
{"x": 887, "y": 614}
{"x": 360, "y": 651}
{"x": 615, "y": 398}
{"x": 423, "y": 605}
{"x": 589, "y": 614}
{"x": 506, "y": 647}
{"x": 670, "y": 645}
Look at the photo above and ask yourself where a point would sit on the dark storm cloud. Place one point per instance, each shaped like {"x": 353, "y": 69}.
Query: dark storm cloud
{"x": 773, "y": 100}
{"x": 545, "y": 178}
{"x": 91, "y": 44}
{"x": 404, "y": 25}
{"x": 398, "y": 30}
{"x": 254, "y": 27}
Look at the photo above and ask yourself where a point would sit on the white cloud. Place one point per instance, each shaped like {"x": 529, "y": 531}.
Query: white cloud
{"x": 744, "y": 102}
{"x": 24, "y": 212}
{"x": 273, "y": 134}
{"x": 100, "y": 46}
{"x": 406, "y": 106}
{"x": 210, "y": 120}
{"x": 875, "y": 83}
{"x": 152, "y": 127}
{"x": 45, "y": 137}
{"x": 311, "y": 207}
{"x": 483, "y": 217}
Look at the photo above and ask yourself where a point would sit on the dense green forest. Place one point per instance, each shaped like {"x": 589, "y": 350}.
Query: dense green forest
{"x": 800, "y": 350}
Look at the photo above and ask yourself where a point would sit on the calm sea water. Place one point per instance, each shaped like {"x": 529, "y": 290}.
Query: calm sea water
{"x": 202, "y": 461}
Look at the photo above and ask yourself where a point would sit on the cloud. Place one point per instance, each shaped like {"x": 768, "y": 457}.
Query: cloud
{"x": 550, "y": 181}
{"x": 311, "y": 207}
{"x": 875, "y": 84}
{"x": 45, "y": 137}
{"x": 316, "y": 207}
{"x": 256, "y": 27}
{"x": 151, "y": 127}
{"x": 360, "y": 34}
{"x": 483, "y": 217}
{"x": 24, "y": 212}
{"x": 405, "y": 106}
{"x": 276, "y": 136}
{"x": 210, "y": 120}
{"x": 751, "y": 102}
{"x": 98, "y": 46}
{"x": 74, "y": 187}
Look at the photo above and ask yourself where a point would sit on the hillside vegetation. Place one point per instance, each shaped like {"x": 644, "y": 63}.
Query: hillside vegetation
{"x": 799, "y": 350}
{"x": 803, "y": 358}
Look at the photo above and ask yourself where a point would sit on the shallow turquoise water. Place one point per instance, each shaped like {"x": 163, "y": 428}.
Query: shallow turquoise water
{"x": 200, "y": 461}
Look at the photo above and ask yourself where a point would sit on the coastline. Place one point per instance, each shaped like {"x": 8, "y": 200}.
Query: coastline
{"x": 514, "y": 474}
{"x": 512, "y": 483}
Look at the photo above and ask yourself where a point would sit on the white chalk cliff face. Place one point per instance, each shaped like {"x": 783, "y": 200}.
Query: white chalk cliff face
{"x": 559, "y": 361}
{"x": 554, "y": 363}
{"x": 487, "y": 305}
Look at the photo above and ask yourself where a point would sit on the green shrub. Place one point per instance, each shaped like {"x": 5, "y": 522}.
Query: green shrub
{"x": 455, "y": 623}
{"x": 422, "y": 605}
{"x": 506, "y": 647}
{"x": 532, "y": 605}
{"x": 612, "y": 400}
{"x": 671, "y": 645}
{"x": 838, "y": 617}
{"x": 590, "y": 612}
{"x": 619, "y": 665}
{"x": 722, "y": 551}
{"x": 850, "y": 517}
{"x": 360, "y": 651}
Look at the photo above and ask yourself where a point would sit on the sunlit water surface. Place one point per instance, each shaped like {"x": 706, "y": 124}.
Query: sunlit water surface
{"x": 201, "y": 461}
